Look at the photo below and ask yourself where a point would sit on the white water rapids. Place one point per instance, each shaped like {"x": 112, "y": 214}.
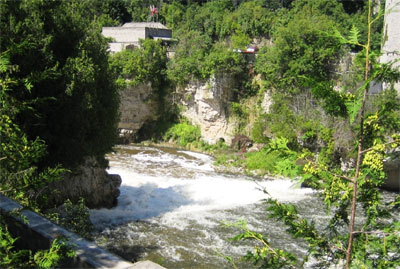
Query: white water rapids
{"x": 172, "y": 204}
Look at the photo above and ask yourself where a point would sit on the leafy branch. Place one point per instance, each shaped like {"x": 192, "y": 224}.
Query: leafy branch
{"x": 265, "y": 254}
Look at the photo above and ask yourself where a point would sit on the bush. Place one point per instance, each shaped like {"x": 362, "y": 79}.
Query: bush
{"x": 258, "y": 130}
{"x": 11, "y": 257}
{"x": 74, "y": 217}
{"x": 276, "y": 159}
{"x": 183, "y": 133}
{"x": 302, "y": 47}
{"x": 141, "y": 65}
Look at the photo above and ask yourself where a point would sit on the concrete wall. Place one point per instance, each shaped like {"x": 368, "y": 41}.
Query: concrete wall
{"x": 124, "y": 34}
{"x": 39, "y": 232}
{"x": 120, "y": 46}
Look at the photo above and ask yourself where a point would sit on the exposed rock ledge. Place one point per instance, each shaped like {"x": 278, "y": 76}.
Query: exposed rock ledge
{"x": 207, "y": 104}
{"x": 138, "y": 106}
{"x": 90, "y": 181}
{"x": 392, "y": 169}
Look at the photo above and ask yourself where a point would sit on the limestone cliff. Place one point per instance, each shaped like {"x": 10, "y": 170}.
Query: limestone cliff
{"x": 137, "y": 106}
{"x": 391, "y": 43}
{"x": 207, "y": 104}
{"x": 392, "y": 169}
{"x": 90, "y": 181}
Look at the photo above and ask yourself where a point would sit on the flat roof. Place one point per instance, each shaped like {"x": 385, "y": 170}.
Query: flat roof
{"x": 144, "y": 24}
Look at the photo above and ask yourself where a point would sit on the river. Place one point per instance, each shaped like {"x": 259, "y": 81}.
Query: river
{"x": 172, "y": 205}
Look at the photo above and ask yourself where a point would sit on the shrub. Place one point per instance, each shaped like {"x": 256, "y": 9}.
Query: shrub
{"x": 276, "y": 158}
{"x": 183, "y": 133}
{"x": 11, "y": 257}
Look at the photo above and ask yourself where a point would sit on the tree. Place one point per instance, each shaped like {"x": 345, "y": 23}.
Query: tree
{"x": 72, "y": 103}
{"x": 301, "y": 48}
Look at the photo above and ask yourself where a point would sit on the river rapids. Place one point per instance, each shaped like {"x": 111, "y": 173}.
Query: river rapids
{"x": 173, "y": 203}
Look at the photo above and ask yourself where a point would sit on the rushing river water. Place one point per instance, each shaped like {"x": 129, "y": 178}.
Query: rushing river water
{"x": 172, "y": 204}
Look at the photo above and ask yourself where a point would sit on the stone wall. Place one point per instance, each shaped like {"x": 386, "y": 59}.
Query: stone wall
{"x": 207, "y": 104}
{"x": 38, "y": 232}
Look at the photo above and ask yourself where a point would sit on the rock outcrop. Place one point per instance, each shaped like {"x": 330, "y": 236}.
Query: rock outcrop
{"x": 392, "y": 169}
{"x": 207, "y": 104}
{"x": 90, "y": 181}
{"x": 241, "y": 143}
{"x": 391, "y": 43}
{"x": 136, "y": 108}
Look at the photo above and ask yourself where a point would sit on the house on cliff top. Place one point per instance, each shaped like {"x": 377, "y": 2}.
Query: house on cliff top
{"x": 129, "y": 34}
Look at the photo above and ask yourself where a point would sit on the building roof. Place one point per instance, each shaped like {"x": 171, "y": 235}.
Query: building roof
{"x": 156, "y": 25}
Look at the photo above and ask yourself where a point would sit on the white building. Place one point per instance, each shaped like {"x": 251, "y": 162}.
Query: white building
{"x": 128, "y": 35}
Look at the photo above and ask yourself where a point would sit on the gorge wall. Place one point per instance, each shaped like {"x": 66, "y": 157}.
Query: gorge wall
{"x": 136, "y": 108}
{"x": 207, "y": 105}
{"x": 391, "y": 42}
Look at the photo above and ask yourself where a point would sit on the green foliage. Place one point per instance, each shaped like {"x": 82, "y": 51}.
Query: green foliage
{"x": 253, "y": 19}
{"x": 277, "y": 158}
{"x": 8, "y": 256}
{"x": 302, "y": 48}
{"x": 222, "y": 60}
{"x": 258, "y": 130}
{"x": 183, "y": 133}
{"x": 263, "y": 255}
{"x": 11, "y": 257}
{"x": 240, "y": 40}
{"x": 189, "y": 55}
{"x": 20, "y": 177}
{"x": 58, "y": 52}
{"x": 333, "y": 102}
{"x": 229, "y": 160}
{"x": 196, "y": 57}
{"x": 58, "y": 101}
{"x": 281, "y": 120}
{"x": 208, "y": 33}
{"x": 141, "y": 65}
{"x": 116, "y": 10}
{"x": 50, "y": 258}
{"x": 74, "y": 217}
{"x": 174, "y": 14}
{"x": 374, "y": 241}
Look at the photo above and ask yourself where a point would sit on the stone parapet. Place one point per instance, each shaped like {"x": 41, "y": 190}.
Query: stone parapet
{"x": 38, "y": 232}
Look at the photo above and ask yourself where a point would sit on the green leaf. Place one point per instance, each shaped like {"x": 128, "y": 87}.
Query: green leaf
{"x": 354, "y": 34}
{"x": 353, "y": 107}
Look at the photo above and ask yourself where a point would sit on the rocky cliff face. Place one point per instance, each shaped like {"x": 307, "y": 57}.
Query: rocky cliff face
{"x": 137, "y": 106}
{"x": 90, "y": 181}
{"x": 392, "y": 169}
{"x": 207, "y": 104}
{"x": 391, "y": 45}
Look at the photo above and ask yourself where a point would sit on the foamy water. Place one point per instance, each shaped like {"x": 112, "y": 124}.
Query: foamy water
{"x": 177, "y": 201}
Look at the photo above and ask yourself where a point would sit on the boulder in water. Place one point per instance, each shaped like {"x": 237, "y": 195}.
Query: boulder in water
{"x": 90, "y": 181}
